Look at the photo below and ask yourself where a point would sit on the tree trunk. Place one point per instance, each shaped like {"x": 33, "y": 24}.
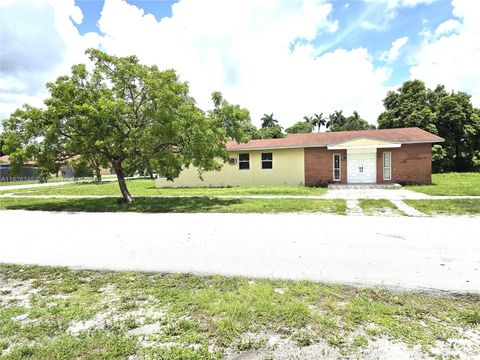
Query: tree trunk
{"x": 98, "y": 174}
{"x": 117, "y": 165}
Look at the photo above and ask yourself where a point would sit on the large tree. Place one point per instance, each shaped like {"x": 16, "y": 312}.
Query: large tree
{"x": 122, "y": 113}
{"x": 338, "y": 122}
{"x": 270, "y": 129}
{"x": 447, "y": 114}
{"x": 301, "y": 127}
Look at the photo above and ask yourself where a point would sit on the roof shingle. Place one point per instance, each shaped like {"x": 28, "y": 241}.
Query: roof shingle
{"x": 400, "y": 135}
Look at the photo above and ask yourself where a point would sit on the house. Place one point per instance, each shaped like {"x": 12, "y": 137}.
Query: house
{"x": 348, "y": 157}
{"x": 28, "y": 172}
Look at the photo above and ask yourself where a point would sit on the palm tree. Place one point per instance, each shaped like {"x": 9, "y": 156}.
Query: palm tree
{"x": 335, "y": 119}
{"x": 319, "y": 121}
{"x": 268, "y": 121}
{"x": 308, "y": 119}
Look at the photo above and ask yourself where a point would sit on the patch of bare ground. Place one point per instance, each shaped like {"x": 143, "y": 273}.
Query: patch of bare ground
{"x": 274, "y": 346}
{"x": 16, "y": 293}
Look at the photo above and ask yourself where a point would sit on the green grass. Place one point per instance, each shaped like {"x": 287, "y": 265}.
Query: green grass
{"x": 451, "y": 184}
{"x": 11, "y": 183}
{"x": 375, "y": 207}
{"x": 447, "y": 206}
{"x": 142, "y": 187}
{"x": 50, "y": 179}
{"x": 204, "y": 316}
{"x": 176, "y": 204}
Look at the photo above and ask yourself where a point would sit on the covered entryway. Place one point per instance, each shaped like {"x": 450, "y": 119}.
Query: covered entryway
{"x": 361, "y": 166}
{"x": 362, "y": 158}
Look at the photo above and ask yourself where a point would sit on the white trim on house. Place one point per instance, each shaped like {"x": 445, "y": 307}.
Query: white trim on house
{"x": 339, "y": 167}
{"x": 316, "y": 146}
{"x": 384, "y": 146}
{"x": 385, "y": 167}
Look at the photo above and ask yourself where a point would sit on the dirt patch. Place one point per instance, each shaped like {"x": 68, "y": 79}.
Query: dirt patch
{"x": 103, "y": 320}
{"x": 16, "y": 292}
{"x": 275, "y": 346}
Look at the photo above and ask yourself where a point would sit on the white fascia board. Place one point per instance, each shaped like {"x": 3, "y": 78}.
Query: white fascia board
{"x": 383, "y": 146}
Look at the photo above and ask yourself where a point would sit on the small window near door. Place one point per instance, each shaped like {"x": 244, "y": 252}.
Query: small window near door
{"x": 336, "y": 167}
{"x": 387, "y": 165}
{"x": 267, "y": 161}
{"x": 244, "y": 161}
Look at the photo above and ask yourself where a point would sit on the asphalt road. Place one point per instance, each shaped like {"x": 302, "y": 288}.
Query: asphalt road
{"x": 434, "y": 253}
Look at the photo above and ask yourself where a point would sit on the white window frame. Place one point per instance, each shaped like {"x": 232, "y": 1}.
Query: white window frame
{"x": 243, "y": 161}
{"x": 266, "y": 161}
{"x": 387, "y": 170}
{"x": 339, "y": 167}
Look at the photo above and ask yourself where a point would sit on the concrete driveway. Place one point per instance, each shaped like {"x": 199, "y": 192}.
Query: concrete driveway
{"x": 441, "y": 253}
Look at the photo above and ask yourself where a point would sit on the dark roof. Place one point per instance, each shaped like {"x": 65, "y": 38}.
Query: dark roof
{"x": 401, "y": 135}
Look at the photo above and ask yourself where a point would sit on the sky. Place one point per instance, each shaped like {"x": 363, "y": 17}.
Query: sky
{"x": 286, "y": 57}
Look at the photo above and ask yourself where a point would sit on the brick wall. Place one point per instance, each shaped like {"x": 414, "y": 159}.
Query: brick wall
{"x": 411, "y": 164}
{"x": 319, "y": 166}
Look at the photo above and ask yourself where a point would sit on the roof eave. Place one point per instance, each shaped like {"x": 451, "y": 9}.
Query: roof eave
{"x": 318, "y": 145}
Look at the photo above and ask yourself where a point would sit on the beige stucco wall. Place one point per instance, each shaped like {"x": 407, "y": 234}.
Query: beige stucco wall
{"x": 288, "y": 169}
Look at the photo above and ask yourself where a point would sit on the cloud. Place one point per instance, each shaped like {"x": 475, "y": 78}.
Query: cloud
{"x": 386, "y": 11}
{"x": 447, "y": 27}
{"x": 371, "y": 26}
{"x": 390, "y": 4}
{"x": 452, "y": 59}
{"x": 392, "y": 55}
{"x": 263, "y": 55}
{"x": 39, "y": 42}
{"x": 258, "y": 54}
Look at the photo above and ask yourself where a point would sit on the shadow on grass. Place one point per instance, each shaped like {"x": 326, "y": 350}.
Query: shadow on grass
{"x": 144, "y": 205}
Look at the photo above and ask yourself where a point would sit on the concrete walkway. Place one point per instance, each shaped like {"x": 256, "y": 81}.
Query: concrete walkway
{"x": 407, "y": 209}
{"x": 398, "y": 252}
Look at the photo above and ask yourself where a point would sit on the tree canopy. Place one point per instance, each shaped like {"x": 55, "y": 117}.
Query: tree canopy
{"x": 339, "y": 122}
{"x": 124, "y": 114}
{"x": 300, "y": 127}
{"x": 447, "y": 114}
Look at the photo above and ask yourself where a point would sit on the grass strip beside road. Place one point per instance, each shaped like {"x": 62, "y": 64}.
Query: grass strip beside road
{"x": 142, "y": 187}
{"x": 57, "y": 313}
{"x": 447, "y": 206}
{"x": 176, "y": 205}
{"x": 379, "y": 207}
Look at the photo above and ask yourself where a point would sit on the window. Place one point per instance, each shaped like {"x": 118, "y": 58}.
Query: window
{"x": 387, "y": 165}
{"x": 267, "y": 161}
{"x": 244, "y": 161}
{"x": 336, "y": 167}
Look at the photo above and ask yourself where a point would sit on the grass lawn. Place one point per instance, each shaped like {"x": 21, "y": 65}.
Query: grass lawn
{"x": 10, "y": 183}
{"x": 176, "y": 205}
{"x": 447, "y": 207}
{"x": 379, "y": 207}
{"x": 451, "y": 184}
{"x": 55, "y": 313}
{"x": 142, "y": 187}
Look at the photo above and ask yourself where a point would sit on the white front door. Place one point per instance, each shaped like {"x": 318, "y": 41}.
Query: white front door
{"x": 361, "y": 167}
{"x": 369, "y": 168}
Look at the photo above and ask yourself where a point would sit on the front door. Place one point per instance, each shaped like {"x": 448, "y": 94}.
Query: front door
{"x": 361, "y": 168}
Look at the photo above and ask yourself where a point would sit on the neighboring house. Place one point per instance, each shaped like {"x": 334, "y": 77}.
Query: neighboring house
{"x": 368, "y": 156}
{"x": 27, "y": 172}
